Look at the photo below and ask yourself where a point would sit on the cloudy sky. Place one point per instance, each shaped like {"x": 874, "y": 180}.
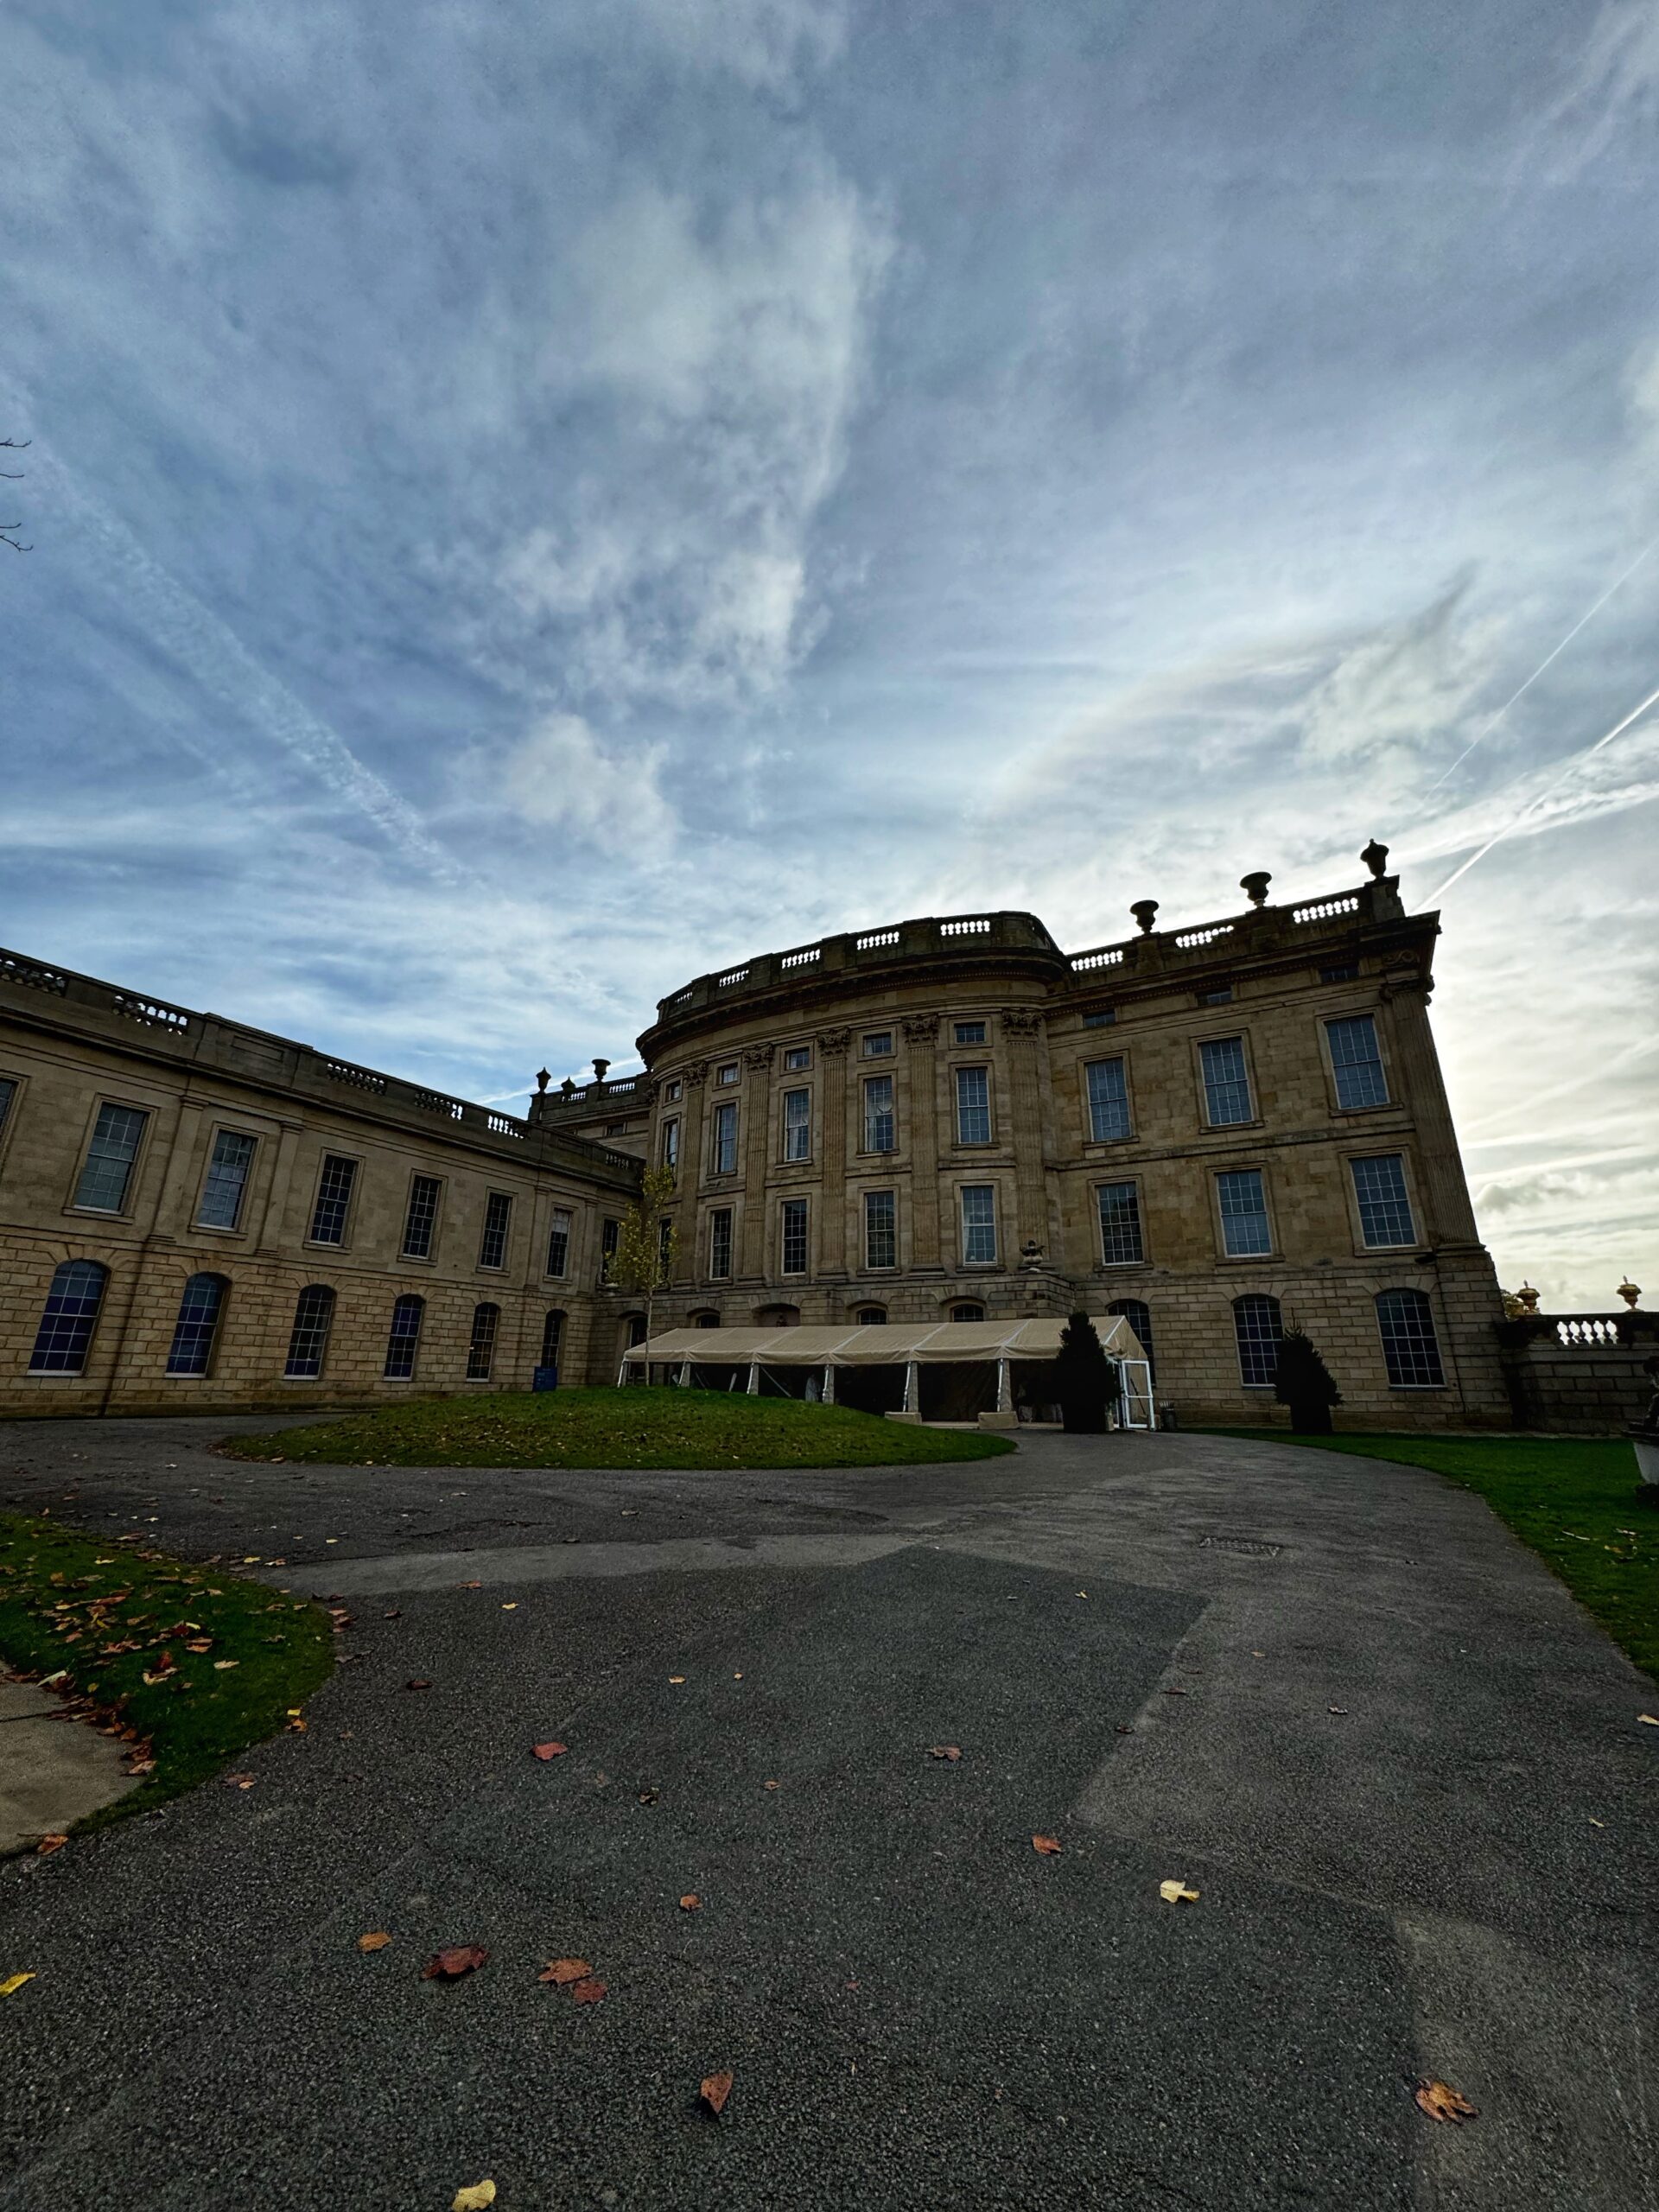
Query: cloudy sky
{"x": 530, "y": 502}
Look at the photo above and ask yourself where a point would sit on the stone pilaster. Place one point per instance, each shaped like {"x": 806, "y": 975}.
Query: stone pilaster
{"x": 1445, "y": 1193}
{"x": 1022, "y": 1028}
{"x": 692, "y": 1259}
{"x": 755, "y": 1139}
{"x": 832, "y": 1107}
{"x": 921, "y": 1044}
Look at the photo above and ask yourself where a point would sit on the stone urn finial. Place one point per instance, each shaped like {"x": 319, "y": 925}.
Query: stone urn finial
{"x": 601, "y": 1069}
{"x": 1375, "y": 857}
{"x": 1255, "y": 885}
{"x": 1144, "y": 910}
{"x": 1630, "y": 1293}
{"x": 1528, "y": 1298}
{"x": 568, "y": 1088}
{"x": 543, "y": 1076}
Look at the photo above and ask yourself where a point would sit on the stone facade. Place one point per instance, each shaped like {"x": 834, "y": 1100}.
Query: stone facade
{"x": 1579, "y": 1374}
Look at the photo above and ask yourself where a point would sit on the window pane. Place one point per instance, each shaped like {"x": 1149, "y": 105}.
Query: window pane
{"x": 108, "y": 1171}
{"x": 422, "y": 1216}
{"x": 480, "y": 1352}
{"x": 227, "y": 1179}
{"x": 1258, "y": 1329}
{"x": 870, "y": 1317}
{"x": 1226, "y": 1084}
{"x": 797, "y": 1057}
{"x": 309, "y": 1341}
{"x": 720, "y": 1242}
{"x": 794, "y": 1227}
{"x": 1406, "y": 1322}
{"x": 7, "y": 1092}
{"x": 879, "y": 1042}
{"x": 729, "y": 1073}
{"x": 671, "y": 1142}
{"x": 558, "y": 1242}
{"x": 970, "y": 1033}
{"x": 198, "y": 1322}
{"x": 979, "y": 1223}
{"x": 1138, "y": 1314}
{"x": 973, "y": 1105}
{"x": 333, "y": 1200}
{"x": 967, "y": 1312}
{"x": 1355, "y": 1061}
{"x": 1120, "y": 1222}
{"x": 407, "y": 1315}
{"x": 878, "y": 1112}
{"x": 881, "y": 1230}
{"x": 798, "y": 1124}
{"x": 1384, "y": 1209}
{"x": 1244, "y": 1213}
{"x": 726, "y": 1139}
{"x": 552, "y": 1338}
{"x": 1109, "y": 1101}
{"x": 493, "y": 1245}
{"x": 68, "y": 1321}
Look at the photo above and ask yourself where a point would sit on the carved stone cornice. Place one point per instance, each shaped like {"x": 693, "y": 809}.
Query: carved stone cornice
{"x": 1022, "y": 1022}
{"x": 1403, "y": 978}
{"x": 921, "y": 1029}
{"x": 758, "y": 1056}
{"x": 834, "y": 1042}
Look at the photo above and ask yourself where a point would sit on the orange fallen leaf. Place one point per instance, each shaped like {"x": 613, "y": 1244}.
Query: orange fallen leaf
{"x": 691, "y": 1902}
{"x": 548, "y": 1751}
{"x": 1177, "y": 1893}
{"x": 565, "y": 1970}
{"x": 1442, "y": 2102}
{"x": 376, "y": 1942}
{"x": 1048, "y": 1845}
{"x": 587, "y": 1992}
{"x": 419, "y": 1683}
{"x": 469, "y": 1585}
{"x": 240, "y": 1781}
{"x": 457, "y": 1960}
{"x": 951, "y": 1751}
{"x": 201, "y": 1644}
{"x": 48, "y": 1844}
{"x": 714, "y": 2090}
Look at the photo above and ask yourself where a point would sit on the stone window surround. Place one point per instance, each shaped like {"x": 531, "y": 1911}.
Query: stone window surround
{"x": 785, "y": 1089}
{"x": 503, "y": 1265}
{"x": 242, "y": 1230}
{"x": 1394, "y": 1102}
{"x": 428, "y": 1258}
{"x": 140, "y": 1159}
{"x": 1103, "y": 1266}
{"x": 1401, "y": 1152}
{"x": 1091, "y": 1143}
{"x": 14, "y": 1107}
{"x": 1274, "y": 1253}
{"x": 1201, "y": 1096}
{"x": 785, "y": 1274}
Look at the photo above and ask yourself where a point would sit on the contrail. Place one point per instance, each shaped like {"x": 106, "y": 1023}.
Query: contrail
{"x": 1483, "y": 733}
{"x": 1532, "y": 806}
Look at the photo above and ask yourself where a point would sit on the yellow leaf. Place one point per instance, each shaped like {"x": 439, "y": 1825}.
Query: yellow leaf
{"x": 1174, "y": 1893}
{"x": 14, "y": 1981}
{"x": 220, "y": 1665}
{"x": 376, "y": 1942}
{"x": 511, "y": 1606}
{"x": 1651, "y": 1719}
{"x": 475, "y": 2198}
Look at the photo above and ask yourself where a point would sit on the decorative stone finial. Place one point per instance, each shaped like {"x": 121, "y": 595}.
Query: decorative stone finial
{"x": 1144, "y": 909}
{"x": 568, "y": 1088}
{"x": 1630, "y": 1293}
{"x": 601, "y": 1068}
{"x": 1528, "y": 1298}
{"x": 543, "y": 1076}
{"x": 1375, "y": 857}
{"x": 1255, "y": 885}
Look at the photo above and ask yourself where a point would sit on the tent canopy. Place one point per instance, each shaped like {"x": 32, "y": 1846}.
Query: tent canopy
{"x": 890, "y": 1344}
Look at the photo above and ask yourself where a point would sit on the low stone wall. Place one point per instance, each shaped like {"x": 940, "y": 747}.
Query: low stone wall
{"x": 1579, "y": 1375}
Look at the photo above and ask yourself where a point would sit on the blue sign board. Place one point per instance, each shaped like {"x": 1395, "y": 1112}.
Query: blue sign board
{"x": 545, "y": 1378}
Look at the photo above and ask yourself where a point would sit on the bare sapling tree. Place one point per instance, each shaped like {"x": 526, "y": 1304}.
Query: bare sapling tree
{"x": 648, "y": 1242}
{"x": 8, "y": 530}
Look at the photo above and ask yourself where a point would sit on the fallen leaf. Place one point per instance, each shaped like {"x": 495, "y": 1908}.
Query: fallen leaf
{"x": 770, "y": 1785}
{"x": 469, "y": 1585}
{"x": 564, "y": 1970}
{"x": 376, "y": 1942}
{"x": 220, "y": 1665}
{"x": 48, "y": 1844}
{"x": 1650, "y": 1719}
{"x": 1124, "y": 1729}
{"x": 676, "y": 1678}
{"x": 13, "y": 1982}
{"x": 1442, "y": 2102}
{"x": 587, "y": 1992}
{"x": 1047, "y": 1845}
{"x": 649, "y": 1796}
{"x": 417, "y": 1684}
{"x": 395, "y": 1614}
{"x": 1341, "y": 1711}
{"x": 714, "y": 2090}
{"x": 241, "y": 1781}
{"x": 548, "y": 1751}
{"x": 457, "y": 1960}
{"x": 1177, "y": 1692}
{"x": 1177, "y": 1893}
{"x": 951, "y": 1751}
{"x": 511, "y": 1606}
{"x": 737, "y": 1678}
{"x": 202, "y": 1643}
{"x": 475, "y": 2198}
{"x": 691, "y": 1902}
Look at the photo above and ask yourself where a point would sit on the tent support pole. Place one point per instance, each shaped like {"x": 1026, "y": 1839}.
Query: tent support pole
{"x": 1002, "y": 1386}
{"x": 829, "y": 1384}
{"x": 754, "y": 1378}
{"x": 912, "y": 1388}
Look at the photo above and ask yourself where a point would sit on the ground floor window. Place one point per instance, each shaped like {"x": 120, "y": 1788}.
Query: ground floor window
{"x": 480, "y": 1352}
{"x": 307, "y": 1342}
{"x": 552, "y": 1338}
{"x": 65, "y": 1335}
{"x": 197, "y": 1326}
{"x": 407, "y": 1315}
{"x": 870, "y": 1317}
{"x": 1138, "y": 1314}
{"x": 967, "y": 1312}
{"x": 1405, "y": 1320}
{"x": 1258, "y": 1328}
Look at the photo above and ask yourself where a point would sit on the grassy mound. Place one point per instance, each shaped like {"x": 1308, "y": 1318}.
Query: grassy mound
{"x": 101, "y": 1617}
{"x": 635, "y": 1427}
{"x": 1573, "y": 1501}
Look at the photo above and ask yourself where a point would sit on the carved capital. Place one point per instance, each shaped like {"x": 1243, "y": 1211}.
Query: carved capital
{"x": 1022, "y": 1022}
{"x": 758, "y": 1056}
{"x": 694, "y": 1078}
{"x": 921, "y": 1028}
{"x": 834, "y": 1042}
{"x": 1405, "y": 979}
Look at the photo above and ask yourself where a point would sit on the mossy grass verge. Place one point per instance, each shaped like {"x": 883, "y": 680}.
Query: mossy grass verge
{"x": 631, "y": 1427}
{"x": 1573, "y": 1501}
{"x": 229, "y": 1659}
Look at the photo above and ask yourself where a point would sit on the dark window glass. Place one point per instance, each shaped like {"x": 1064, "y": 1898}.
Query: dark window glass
{"x": 558, "y": 1242}
{"x": 979, "y": 1224}
{"x": 1258, "y": 1330}
{"x": 664, "y": 1234}
{"x": 1120, "y": 1222}
{"x": 636, "y": 1330}
{"x": 797, "y": 1058}
{"x": 480, "y": 1352}
{"x": 1244, "y": 1231}
{"x": 1405, "y": 1320}
{"x": 307, "y": 1342}
{"x": 1222, "y": 996}
{"x": 881, "y": 1230}
{"x": 1226, "y": 1082}
{"x": 1103, "y": 1017}
{"x": 794, "y": 1219}
{"x": 1109, "y": 1101}
{"x": 797, "y": 1125}
{"x": 878, "y": 1045}
{"x": 707, "y": 1320}
{"x": 973, "y": 1105}
{"x": 1340, "y": 971}
{"x": 493, "y": 1245}
{"x": 870, "y": 1317}
{"x": 671, "y": 1142}
{"x": 197, "y": 1326}
{"x": 1356, "y": 1062}
{"x": 967, "y": 1312}
{"x": 726, "y": 1138}
{"x": 7, "y": 1092}
{"x": 70, "y": 1315}
{"x": 720, "y": 1242}
{"x": 552, "y": 1338}
{"x": 1138, "y": 1314}
{"x": 878, "y": 1113}
{"x": 333, "y": 1200}
{"x": 227, "y": 1180}
{"x": 407, "y": 1314}
{"x": 610, "y": 1234}
{"x": 107, "y": 1175}
{"x": 970, "y": 1033}
{"x": 1384, "y": 1209}
{"x": 421, "y": 1217}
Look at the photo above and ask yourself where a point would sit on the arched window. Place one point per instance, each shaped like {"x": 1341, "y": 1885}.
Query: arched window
{"x": 870, "y": 1317}
{"x": 635, "y": 1330}
{"x": 967, "y": 1312}
{"x": 1405, "y": 1320}
{"x": 314, "y": 1313}
{"x": 69, "y": 1318}
{"x": 706, "y": 1320}
{"x": 1259, "y": 1330}
{"x": 1138, "y": 1314}
{"x": 552, "y": 1337}
{"x": 197, "y": 1324}
{"x": 480, "y": 1352}
{"x": 407, "y": 1314}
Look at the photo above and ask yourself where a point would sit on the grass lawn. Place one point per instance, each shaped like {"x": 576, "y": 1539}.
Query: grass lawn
{"x": 633, "y": 1427}
{"x": 104, "y": 1616}
{"x": 1573, "y": 1501}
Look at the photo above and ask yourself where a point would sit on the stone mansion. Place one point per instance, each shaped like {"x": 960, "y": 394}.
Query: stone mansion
{"x": 1216, "y": 1131}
